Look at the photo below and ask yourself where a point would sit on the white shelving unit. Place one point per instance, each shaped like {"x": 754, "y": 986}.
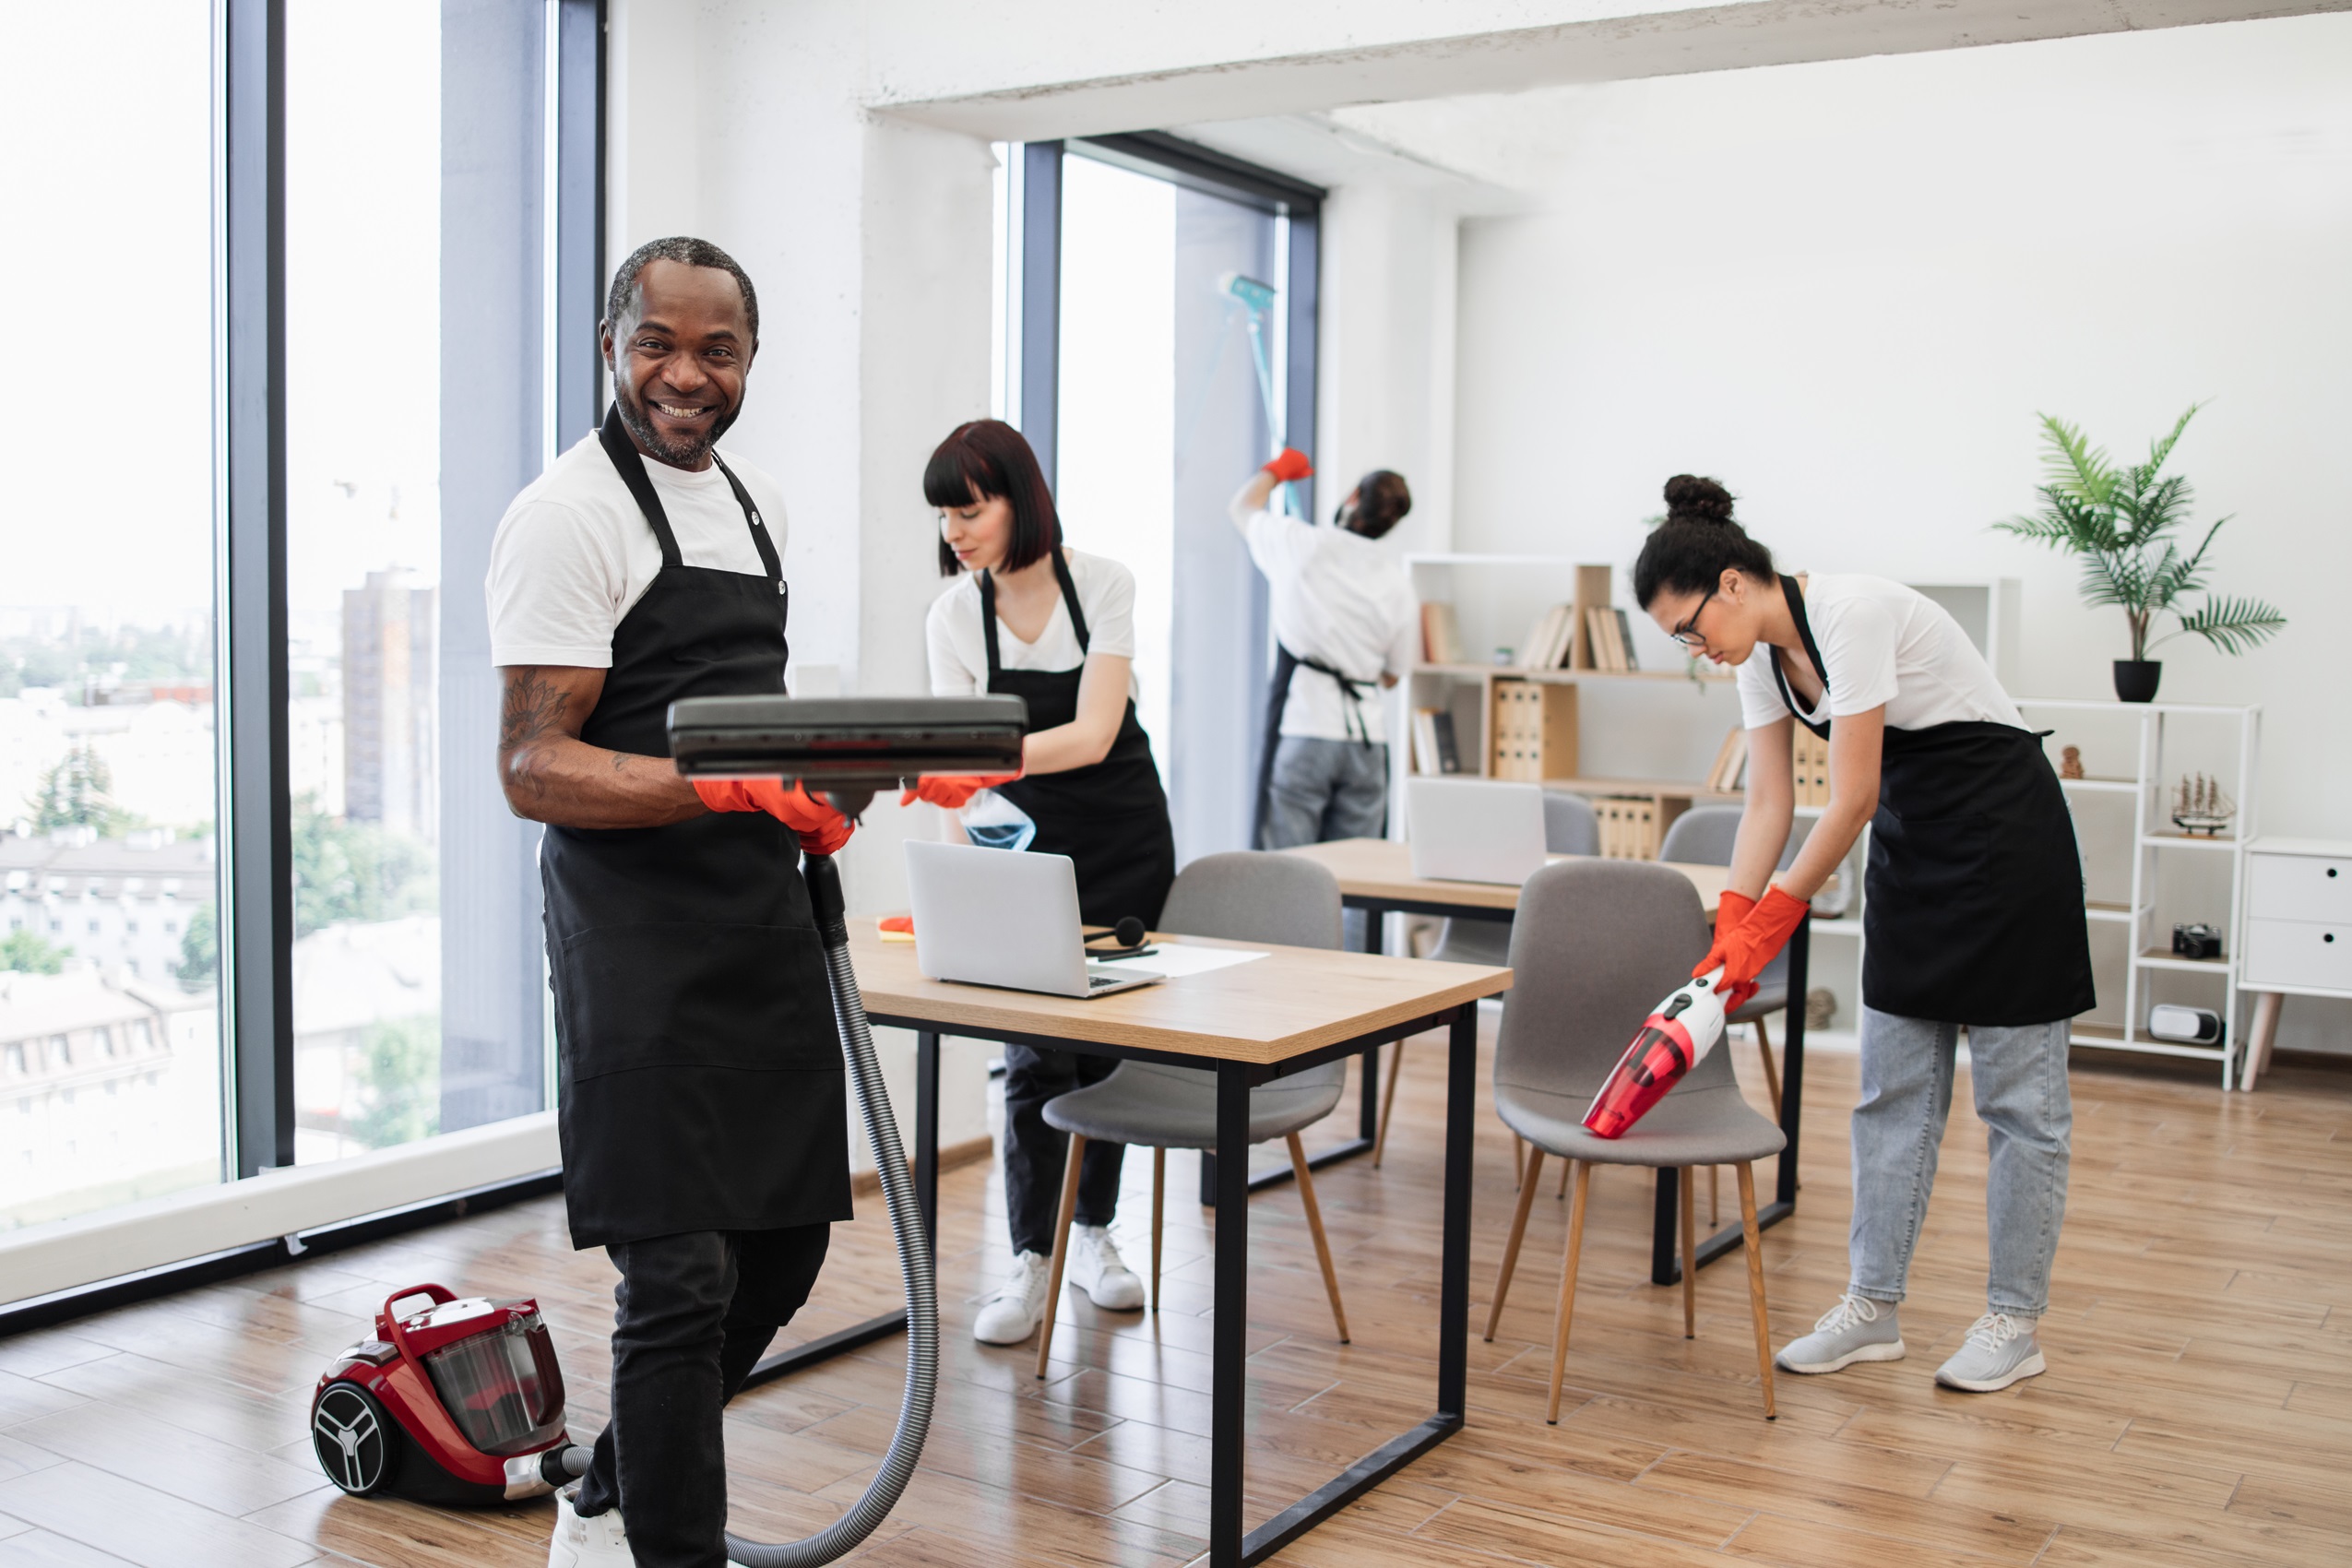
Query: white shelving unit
{"x": 2148, "y": 950}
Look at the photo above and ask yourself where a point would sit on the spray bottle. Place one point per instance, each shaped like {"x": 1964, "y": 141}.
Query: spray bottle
{"x": 1670, "y": 1043}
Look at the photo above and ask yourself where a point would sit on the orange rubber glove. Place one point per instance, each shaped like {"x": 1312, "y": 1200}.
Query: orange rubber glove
{"x": 1732, "y": 912}
{"x": 822, "y": 829}
{"x": 1755, "y": 942}
{"x": 1290, "y": 464}
{"x": 952, "y": 791}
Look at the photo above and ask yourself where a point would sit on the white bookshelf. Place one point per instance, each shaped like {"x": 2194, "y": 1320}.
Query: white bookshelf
{"x": 2233, "y": 733}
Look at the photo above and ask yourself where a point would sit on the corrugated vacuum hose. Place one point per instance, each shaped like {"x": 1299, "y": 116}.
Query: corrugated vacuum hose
{"x": 914, "y": 1254}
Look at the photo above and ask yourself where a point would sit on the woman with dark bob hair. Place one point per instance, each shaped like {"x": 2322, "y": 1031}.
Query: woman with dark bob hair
{"x": 1973, "y": 905}
{"x": 1029, "y": 616}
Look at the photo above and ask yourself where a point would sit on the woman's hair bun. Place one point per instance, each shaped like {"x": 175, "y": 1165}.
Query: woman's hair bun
{"x": 1698, "y": 500}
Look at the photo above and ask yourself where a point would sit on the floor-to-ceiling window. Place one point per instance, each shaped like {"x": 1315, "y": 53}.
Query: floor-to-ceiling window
{"x": 1182, "y": 289}
{"x": 110, "y": 1038}
{"x": 316, "y": 291}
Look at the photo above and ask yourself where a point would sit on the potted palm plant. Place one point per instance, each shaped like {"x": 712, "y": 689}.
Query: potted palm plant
{"x": 2122, "y": 522}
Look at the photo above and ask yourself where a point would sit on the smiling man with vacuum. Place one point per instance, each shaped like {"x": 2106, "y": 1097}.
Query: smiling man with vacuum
{"x": 703, "y": 1107}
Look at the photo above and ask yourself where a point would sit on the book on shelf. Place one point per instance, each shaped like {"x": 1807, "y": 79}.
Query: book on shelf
{"x": 1611, "y": 638}
{"x": 1433, "y": 747}
{"x": 1730, "y": 763}
{"x": 1549, "y": 640}
{"x": 1449, "y": 755}
{"x": 1441, "y": 633}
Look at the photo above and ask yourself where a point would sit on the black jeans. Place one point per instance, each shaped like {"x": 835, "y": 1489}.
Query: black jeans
{"x": 1035, "y": 1153}
{"x": 693, "y": 1313}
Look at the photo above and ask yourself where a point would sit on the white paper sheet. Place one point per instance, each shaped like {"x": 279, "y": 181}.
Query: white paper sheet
{"x": 1175, "y": 960}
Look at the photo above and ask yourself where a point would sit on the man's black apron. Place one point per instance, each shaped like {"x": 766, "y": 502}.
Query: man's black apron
{"x": 1972, "y": 907}
{"x": 1110, "y": 817}
{"x": 700, "y": 1080}
{"x": 1286, "y": 665}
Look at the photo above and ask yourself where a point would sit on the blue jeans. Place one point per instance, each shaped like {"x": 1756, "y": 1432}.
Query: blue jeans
{"x": 2019, "y": 1075}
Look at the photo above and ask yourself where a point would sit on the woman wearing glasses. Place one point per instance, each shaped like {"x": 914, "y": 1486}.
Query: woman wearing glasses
{"x": 1972, "y": 915}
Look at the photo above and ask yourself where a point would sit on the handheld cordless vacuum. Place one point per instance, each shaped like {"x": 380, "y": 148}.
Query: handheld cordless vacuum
{"x": 463, "y": 1402}
{"x": 1671, "y": 1041}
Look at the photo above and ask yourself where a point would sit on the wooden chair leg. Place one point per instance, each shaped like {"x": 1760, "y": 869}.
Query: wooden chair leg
{"x": 1518, "y": 1160}
{"x": 1388, "y": 1102}
{"x": 1684, "y": 1178}
{"x": 1563, "y": 1177}
{"x": 1314, "y": 1228}
{"x": 1568, "y": 1286}
{"x": 1069, "y": 1209}
{"x": 1158, "y": 1203}
{"x": 1754, "y": 1245}
{"x": 1772, "y": 1069}
{"x": 1510, "y": 1247}
{"x": 1714, "y": 1192}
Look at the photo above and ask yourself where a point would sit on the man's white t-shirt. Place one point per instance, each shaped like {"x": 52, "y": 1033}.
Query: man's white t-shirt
{"x": 1342, "y": 599}
{"x": 573, "y": 554}
{"x": 958, "y": 647}
{"x": 1883, "y": 642}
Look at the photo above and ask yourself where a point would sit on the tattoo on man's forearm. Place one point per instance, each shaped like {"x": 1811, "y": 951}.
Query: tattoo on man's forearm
{"x": 533, "y": 709}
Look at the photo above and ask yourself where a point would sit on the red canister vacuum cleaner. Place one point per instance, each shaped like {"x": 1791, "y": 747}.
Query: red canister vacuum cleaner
{"x": 1671, "y": 1041}
{"x": 460, "y": 1403}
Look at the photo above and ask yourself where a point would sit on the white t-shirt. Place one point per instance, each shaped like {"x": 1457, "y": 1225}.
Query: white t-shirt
{"x": 1340, "y": 598}
{"x": 1883, "y": 642}
{"x": 958, "y": 647}
{"x": 573, "y": 554}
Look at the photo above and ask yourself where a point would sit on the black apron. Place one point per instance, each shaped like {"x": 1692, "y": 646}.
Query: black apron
{"x": 699, "y": 1079}
{"x": 1972, "y": 909}
{"x": 1287, "y": 665}
{"x": 1110, "y": 817}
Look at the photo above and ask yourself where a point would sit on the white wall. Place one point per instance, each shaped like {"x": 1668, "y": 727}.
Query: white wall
{"x": 1847, "y": 289}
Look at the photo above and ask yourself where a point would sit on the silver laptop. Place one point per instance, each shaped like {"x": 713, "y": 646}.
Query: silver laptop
{"x": 1474, "y": 829}
{"x": 1005, "y": 918}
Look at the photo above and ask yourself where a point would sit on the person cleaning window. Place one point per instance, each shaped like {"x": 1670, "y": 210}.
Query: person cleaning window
{"x": 1972, "y": 913}
{"x": 702, "y": 1107}
{"x": 1345, "y": 629}
{"x": 1029, "y": 616}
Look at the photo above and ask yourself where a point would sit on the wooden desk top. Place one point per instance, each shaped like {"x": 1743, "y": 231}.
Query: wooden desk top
{"x": 1382, "y": 868}
{"x": 1290, "y": 1002}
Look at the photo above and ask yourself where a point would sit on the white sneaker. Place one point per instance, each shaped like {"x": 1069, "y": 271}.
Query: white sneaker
{"x": 595, "y": 1542}
{"x": 1097, "y": 1268}
{"x": 1999, "y": 1350}
{"x": 1857, "y": 1329}
{"x": 1011, "y": 1316}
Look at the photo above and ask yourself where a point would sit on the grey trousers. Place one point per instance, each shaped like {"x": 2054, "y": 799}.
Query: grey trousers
{"x": 2019, "y": 1077}
{"x": 1325, "y": 789}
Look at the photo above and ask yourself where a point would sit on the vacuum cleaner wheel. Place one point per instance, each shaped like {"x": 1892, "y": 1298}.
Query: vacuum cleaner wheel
{"x": 353, "y": 1438}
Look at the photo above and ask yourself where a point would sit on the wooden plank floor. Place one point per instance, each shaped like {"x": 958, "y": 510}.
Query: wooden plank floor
{"x": 2198, "y": 1410}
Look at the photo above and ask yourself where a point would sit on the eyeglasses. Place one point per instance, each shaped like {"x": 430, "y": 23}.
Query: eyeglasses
{"x": 1688, "y": 633}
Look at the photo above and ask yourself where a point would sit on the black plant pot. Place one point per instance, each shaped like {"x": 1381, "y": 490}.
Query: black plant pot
{"x": 2135, "y": 679}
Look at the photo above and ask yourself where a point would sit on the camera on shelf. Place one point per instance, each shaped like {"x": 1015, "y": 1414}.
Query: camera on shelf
{"x": 2196, "y": 940}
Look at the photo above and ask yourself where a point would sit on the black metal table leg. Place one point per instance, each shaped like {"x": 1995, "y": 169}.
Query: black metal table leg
{"x": 1792, "y": 1059}
{"x": 1666, "y": 1266}
{"x": 1230, "y": 1328}
{"x": 1454, "y": 1267}
{"x": 927, "y": 1134}
{"x": 780, "y": 1363}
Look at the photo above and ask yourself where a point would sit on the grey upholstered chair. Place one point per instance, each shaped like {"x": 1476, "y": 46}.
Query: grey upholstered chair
{"x": 1568, "y": 828}
{"x": 1595, "y": 945}
{"x": 1241, "y": 896}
